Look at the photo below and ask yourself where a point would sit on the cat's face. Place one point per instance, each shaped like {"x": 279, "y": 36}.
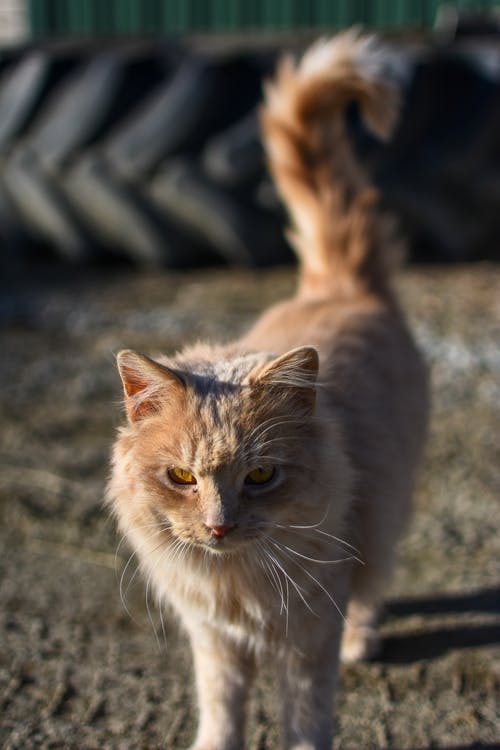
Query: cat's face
{"x": 218, "y": 464}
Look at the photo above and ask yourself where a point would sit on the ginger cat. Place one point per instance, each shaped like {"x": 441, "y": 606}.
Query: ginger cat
{"x": 249, "y": 475}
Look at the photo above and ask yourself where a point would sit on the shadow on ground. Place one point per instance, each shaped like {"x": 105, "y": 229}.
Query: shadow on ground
{"x": 435, "y": 641}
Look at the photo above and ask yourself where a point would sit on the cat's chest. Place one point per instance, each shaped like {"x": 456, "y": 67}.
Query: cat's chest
{"x": 229, "y": 599}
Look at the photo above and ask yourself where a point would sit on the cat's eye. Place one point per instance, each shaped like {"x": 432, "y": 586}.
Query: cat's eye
{"x": 260, "y": 475}
{"x": 181, "y": 476}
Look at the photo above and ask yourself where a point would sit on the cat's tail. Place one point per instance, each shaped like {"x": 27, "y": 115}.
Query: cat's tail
{"x": 337, "y": 231}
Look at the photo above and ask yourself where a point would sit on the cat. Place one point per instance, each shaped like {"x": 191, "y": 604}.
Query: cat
{"x": 264, "y": 483}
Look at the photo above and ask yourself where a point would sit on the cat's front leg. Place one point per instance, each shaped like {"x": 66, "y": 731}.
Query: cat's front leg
{"x": 223, "y": 673}
{"x": 308, "y": 688}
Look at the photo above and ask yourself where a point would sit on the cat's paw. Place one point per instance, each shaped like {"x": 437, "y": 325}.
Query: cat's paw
{"x": 359, "y": 642}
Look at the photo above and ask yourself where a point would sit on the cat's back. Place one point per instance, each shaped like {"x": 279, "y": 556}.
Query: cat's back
{"x": 372, "y": 376}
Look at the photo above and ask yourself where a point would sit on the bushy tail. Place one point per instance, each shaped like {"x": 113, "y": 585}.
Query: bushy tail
{"x": 337, "y": 231}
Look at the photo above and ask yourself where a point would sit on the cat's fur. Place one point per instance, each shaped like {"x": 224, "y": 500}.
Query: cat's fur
{"x": 344, "y": 438}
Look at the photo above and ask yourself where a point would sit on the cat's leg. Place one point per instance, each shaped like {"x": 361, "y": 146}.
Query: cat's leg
{"x": 360, "y": 639}
{"x": 308, "y": 690}
{"x": 379, "y": 527}
{"x": 223, "y": 676}
{"x": 369, "y": 583}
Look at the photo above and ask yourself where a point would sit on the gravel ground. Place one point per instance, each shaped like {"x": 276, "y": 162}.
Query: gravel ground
{"x": 80, "y": 672}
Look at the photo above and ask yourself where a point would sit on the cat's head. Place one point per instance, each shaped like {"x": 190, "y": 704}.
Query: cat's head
{"x": 217, "y": 452}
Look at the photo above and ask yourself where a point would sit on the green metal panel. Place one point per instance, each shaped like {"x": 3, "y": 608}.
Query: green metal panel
{"x": 124, "y": 17}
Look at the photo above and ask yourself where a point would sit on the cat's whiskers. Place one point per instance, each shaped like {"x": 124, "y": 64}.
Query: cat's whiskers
{"x": 265, "y": 444}
{"x": 177, "y": 551}
{"x": 150, "y": 616}
{"x": 270, "y": 568}
{"x": 342, "y": 541}
{"x": 159, "y": 603}
{"x": 172, "y": 553}
{"x": 122, "y": 594}
{"x": 287, "y": 575}
{"x": 269, "y": 424}
{"x": 316, "y": 560}
{"x": 285, "y": 593}
{"x": 316, "y": 528}
{"x": 160, "y": 528}
{"x": 302, "y": 532}
{"x": 287, "y": 606}
{"x": 299, "y": 589}
{"x": 318, "y": 523}
{"x": 257, "y": 434}
{"x": 313, "y": 578}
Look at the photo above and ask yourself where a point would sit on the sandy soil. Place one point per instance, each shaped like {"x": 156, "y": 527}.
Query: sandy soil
{"x": 78, "y": 672}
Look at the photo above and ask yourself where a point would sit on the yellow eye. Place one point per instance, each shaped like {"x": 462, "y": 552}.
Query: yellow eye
{"x": 260, "y": 475}
{"x": 181, "y": 476}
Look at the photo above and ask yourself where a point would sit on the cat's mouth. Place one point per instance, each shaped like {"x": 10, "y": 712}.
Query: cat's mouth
{"x": 225, "y": 546}
{"x": 220, "y": 550}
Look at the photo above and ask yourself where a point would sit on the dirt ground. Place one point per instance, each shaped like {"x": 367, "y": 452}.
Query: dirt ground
{"x": 78, "y": 672}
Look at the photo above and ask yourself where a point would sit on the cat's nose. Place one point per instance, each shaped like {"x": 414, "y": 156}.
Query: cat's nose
{"x": 221, "y": 530}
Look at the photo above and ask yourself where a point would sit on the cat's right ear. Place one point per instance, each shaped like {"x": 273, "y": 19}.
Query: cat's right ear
{"x": 295, "y": 374}
{"x": 144, "y": 383}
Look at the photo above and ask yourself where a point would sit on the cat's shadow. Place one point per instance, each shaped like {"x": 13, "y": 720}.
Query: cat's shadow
{"x": 432, "y": 641}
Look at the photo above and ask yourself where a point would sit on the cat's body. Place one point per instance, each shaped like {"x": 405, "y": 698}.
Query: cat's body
{"x": 247, "y": 479}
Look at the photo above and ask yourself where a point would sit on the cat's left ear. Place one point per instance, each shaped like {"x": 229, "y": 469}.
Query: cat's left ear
{"x": 144, "y": 382}
{"x": 295, "y": 372}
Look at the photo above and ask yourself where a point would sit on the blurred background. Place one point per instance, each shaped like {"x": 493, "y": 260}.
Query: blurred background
{"x": 129, "y": 129}
{"x": 136, "y": 211}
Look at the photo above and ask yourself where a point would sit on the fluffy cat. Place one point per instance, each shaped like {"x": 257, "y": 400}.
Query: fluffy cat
{"x": 250, "y": 474}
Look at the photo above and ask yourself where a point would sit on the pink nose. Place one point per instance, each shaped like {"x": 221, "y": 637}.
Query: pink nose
{"x": 222, "y": 530}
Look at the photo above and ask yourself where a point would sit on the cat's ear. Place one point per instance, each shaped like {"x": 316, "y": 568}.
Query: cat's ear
{"x": 144, "y": 381}
{"x": 294, "y": 372}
